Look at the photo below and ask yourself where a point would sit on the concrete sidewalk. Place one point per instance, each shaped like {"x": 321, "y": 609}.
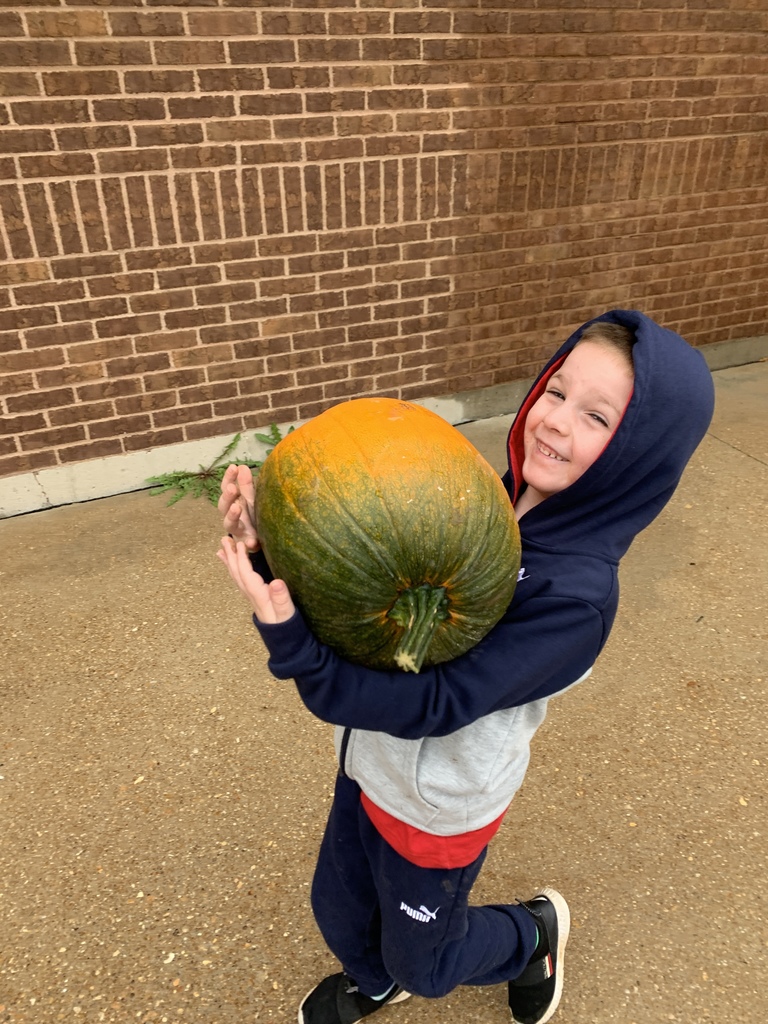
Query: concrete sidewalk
{"x": 162, "y": 797}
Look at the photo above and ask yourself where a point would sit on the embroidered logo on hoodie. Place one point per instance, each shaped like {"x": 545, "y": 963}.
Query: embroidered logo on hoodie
{"x": 422, "y": 914}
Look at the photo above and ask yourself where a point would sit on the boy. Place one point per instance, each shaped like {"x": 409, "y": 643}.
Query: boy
{"x": 428, "y": 766}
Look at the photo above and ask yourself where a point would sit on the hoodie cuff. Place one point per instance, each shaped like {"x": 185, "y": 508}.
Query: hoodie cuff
{"x": 289, "y": 644}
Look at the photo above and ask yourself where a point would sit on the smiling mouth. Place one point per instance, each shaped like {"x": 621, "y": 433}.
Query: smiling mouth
{"x": 549, "y": 453}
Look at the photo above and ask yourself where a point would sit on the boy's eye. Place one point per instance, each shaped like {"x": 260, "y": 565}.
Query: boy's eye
{"x": 555, "y": 392}
{"x": 599, "y": 419}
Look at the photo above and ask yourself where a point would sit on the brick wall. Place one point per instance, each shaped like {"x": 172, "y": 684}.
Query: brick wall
{"x": 223, "y": 214}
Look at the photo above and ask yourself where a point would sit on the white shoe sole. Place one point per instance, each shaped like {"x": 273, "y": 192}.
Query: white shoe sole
{"x": 399, "y": 998}
{"x": 563, "y": 931}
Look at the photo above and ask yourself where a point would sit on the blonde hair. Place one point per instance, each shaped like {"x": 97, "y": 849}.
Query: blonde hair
{"x": 614, "y": 335}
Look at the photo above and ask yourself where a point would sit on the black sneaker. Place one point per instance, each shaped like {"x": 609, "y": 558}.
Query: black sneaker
{"x": 337, "y": 1000}
{"x": 533, "y": 997}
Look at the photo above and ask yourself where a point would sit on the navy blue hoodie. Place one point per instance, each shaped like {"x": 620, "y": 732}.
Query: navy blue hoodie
{"x": 444, "y": 750}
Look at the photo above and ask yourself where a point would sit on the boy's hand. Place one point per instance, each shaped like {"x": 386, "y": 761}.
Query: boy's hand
{"x": 236, "y": 504}
{"x": 271, "y": 602}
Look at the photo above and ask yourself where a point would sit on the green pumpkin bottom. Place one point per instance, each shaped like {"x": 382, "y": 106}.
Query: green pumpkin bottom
{"x": 396, "y": 538}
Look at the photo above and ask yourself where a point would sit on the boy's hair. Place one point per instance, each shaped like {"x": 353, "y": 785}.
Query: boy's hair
{"x": 614, "y": 335}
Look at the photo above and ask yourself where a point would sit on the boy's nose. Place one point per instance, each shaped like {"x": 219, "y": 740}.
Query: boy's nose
{"x": 557, "y": 419}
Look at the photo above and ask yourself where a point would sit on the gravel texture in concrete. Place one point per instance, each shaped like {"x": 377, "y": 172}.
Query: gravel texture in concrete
{"x": 162, "y": 796}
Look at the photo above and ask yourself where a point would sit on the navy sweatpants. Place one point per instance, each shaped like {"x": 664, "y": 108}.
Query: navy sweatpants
{"x": 387, "y": 919}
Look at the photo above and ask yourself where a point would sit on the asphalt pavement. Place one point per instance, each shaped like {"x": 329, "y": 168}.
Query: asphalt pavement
{"x": 162, "y": 797}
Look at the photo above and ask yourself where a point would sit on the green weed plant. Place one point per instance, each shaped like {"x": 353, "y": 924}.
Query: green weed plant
{"x": 206, "y": 481}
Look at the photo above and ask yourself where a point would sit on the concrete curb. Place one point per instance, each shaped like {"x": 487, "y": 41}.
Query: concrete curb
{"x": 121, "y": 474}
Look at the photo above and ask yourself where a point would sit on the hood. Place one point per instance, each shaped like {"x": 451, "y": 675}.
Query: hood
{"x": 637, "y": 472}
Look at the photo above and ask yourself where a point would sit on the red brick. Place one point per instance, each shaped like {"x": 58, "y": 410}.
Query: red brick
{"x": 391, "y": 50}
{"x": 19, "y": 83}
{"x": 225, "y": 293}
{"x": 158, "y": 301}
{"x": 275, "y": 104}
{"x": 60, "y": 165}
{"x": 195, "y": 317}
{"x": 312, "y": 264}
{"x": 164, "y": 81}
{"x": 22, "y": 424}
{"x": 201, "y": 107}
{"x": 194, "y": 52}
{"x": 41, "y": 221}
{"x": 34, "y": 400}
{"x": 60, "y": 334}
{"x": 330, "y": 50}
{"x": 80, "y": 83}
{"x": 213, "y": 428}
{"x": 48, "y": 293}
{"x": 90, "y": 450}
{"x": 27, "y": 463}
{"x": 129, "y": 109}
{"x": 298, "y": 77}
{"x": 158, "y": 259}
{"x": 99, "y": 136}
{"x": 226, "y": 251}
{"x": 218, "y": 372}
{"x": 188, "y": 276}
{"x": 154, "y": 439}
{"x": 204, "y": 156}
{"x": 66, "y": 24}
{"x": 10, "y": 341}
{"x": 132, "y": 404}
{"x": 202, "y": 355}
{"x": 146, "y": 23}
{"x": 34, "y": 54}
{"x": 162, "y": 210}
{"x": 66, "y": 217}
{"x": 182, "y": 414}
{"x": 11, "y": 24}
{"x": 81, "y": 413}
{"x": 174, "y": 379}
{"x": 185, "y": 207}
{"x": 86, "y": 266}
{"x": 92, "y": 351}
{"x": 119, "y": 426}
{"x": 107, "y": 53}
{"x": 230, "y": 80}
{"x": 224, "y": 23}
{"x": 13, "y": 217}
{"x": 257, "y": 52}
{"x": 145, "y": 323}
{"x": 243, "y": 330}
{"x": 33, "y": 316}
{"x": 239, "y": 131}
{"x": 50, "y": 112}
{"x": 89, "y": 309}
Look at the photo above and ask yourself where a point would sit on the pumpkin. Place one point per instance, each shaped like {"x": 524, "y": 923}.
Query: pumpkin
{"x": 395, "y": 536}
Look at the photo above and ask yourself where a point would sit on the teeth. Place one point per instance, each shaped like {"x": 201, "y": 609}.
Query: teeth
{"x": 549, "y": 453}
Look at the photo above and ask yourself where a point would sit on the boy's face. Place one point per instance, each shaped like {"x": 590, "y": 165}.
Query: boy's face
{"x": 571, "y": 423}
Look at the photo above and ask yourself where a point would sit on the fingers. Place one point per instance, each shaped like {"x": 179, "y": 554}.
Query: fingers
{"x": 247, "y": 492}
{"x": 244, "y": 478}
{"x": 254, "y": 587}
{"x": 232, "y": 517}
{"x": 248, "y": 582}
{"x": 272, "y": 603}
{"x": 236, "y": 505}
{"x": 282, "y": 602}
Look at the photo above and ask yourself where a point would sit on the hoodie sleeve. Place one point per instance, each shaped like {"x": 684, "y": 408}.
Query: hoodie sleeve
{"x": 534, "y": 651}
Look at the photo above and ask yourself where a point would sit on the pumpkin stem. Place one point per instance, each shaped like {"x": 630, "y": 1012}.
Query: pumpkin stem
{"x": 419, "y": 611}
